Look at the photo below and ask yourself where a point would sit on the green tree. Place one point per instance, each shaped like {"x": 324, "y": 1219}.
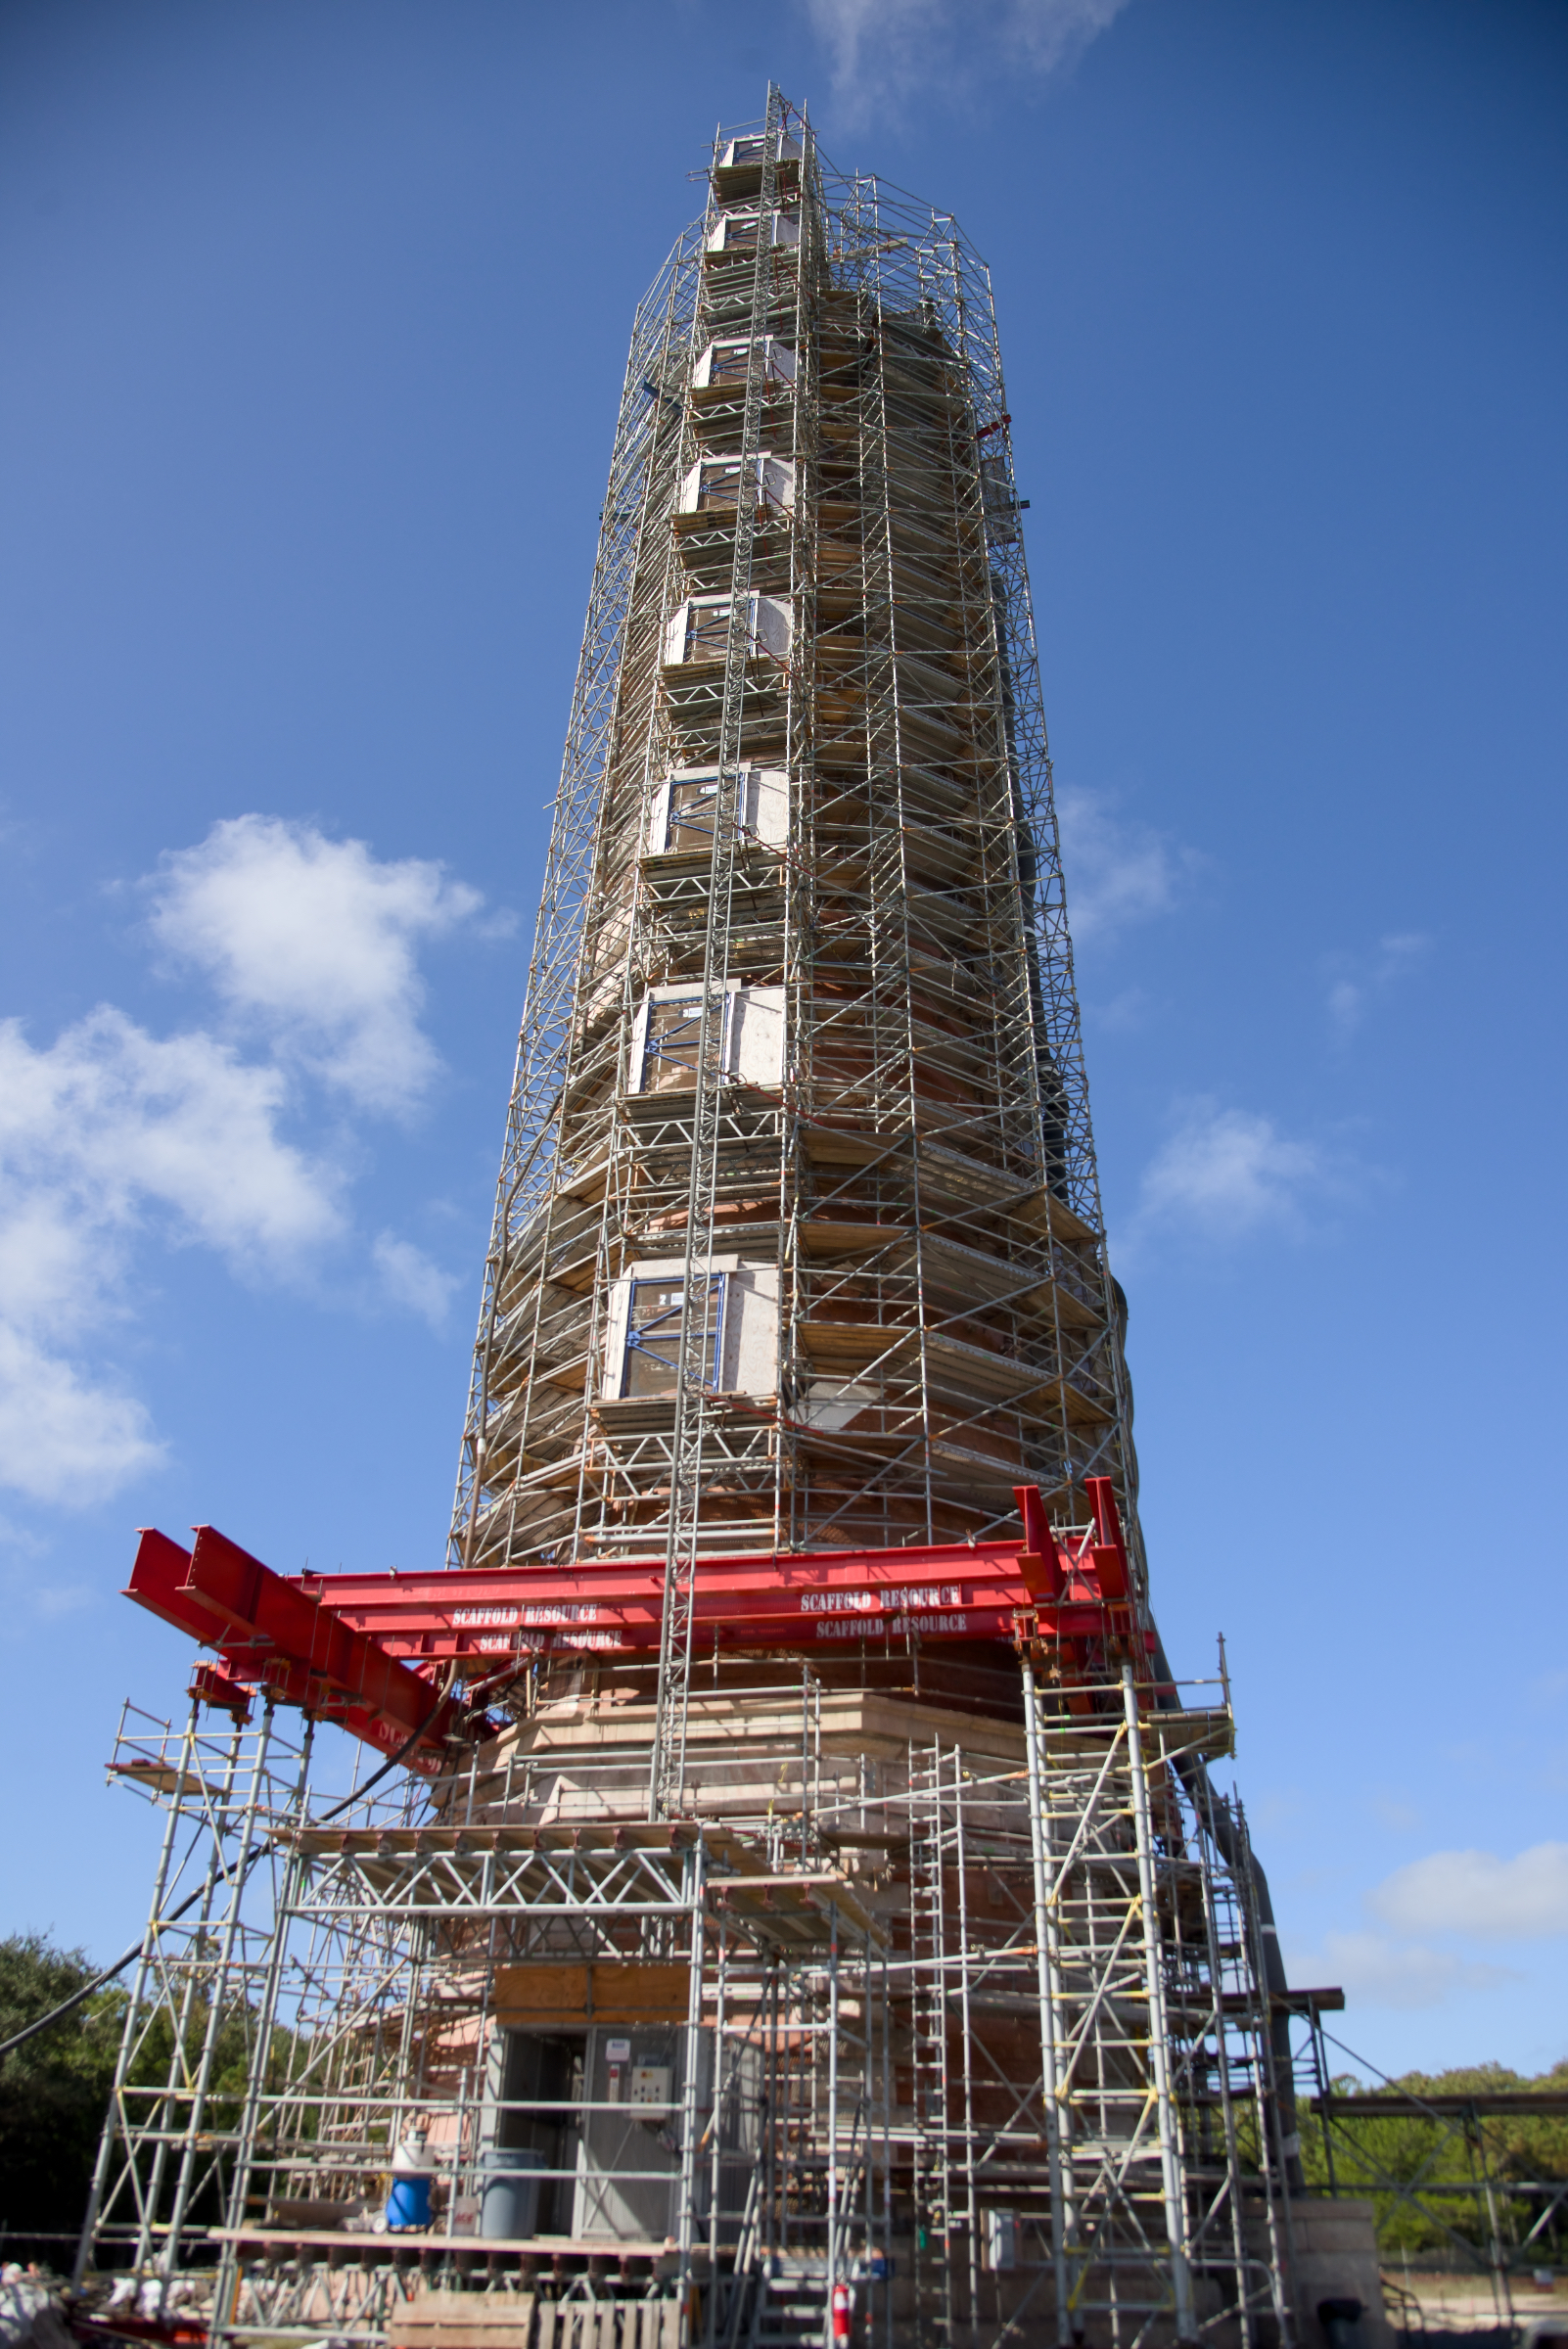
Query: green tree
{"x": 55, "y": 2090}
{"x": 1368, "y": 2148}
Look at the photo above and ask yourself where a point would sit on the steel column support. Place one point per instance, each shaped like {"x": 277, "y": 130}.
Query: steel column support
{"x": 226, "y": 2289}
{"x": 113, "y": 2121}
{"x": 1170, "y": 2170}
{"x": 1049, "y": 1991}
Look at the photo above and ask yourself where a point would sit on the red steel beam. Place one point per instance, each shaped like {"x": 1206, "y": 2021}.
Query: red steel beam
{"x": 746, "y": 1600}
{"x": 271, "y": 1632}
{"x": 337, "y": 1643}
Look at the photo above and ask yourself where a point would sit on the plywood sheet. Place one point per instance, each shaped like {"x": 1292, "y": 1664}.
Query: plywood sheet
{"x": 567, "y": 1996}
{"x": 462, "y": 2321}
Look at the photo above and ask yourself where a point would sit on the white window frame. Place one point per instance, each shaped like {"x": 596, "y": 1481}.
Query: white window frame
{"x": 775, "y": 482}
{"x": 661, "y": 1270}
{"x": 749, "y": 147}
{"x": 677, "y": 992}
{"x": 785, "y": 229}
{"x": 663, "y": 793}
{"x": 768, "y": 1003}
{"x": 769, "y": 626}
{"x": 756, "y": 785}
{"x": 778, "y": 360}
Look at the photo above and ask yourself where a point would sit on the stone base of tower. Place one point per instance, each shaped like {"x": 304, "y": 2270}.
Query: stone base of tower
{"x": 1335, "y": 2257}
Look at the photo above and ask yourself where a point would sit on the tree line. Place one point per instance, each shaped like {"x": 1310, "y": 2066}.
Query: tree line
{"x": 1361, "y": 2152}
{"x": 55, "y": 2088}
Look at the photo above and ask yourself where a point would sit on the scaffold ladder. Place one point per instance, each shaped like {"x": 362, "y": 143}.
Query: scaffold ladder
{"x": 933, "y": 2215}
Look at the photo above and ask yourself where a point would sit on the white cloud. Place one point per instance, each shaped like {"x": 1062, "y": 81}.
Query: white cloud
{"x": 62, "y": 1439}
{"x": 311, "y": 943}
{"x": 1229, "y": 1172}
{"x": 1116, "y": 872}
{"x": 1374, "y": 1971}
{"x": 898, "y": 33}
{"x": 111, "y": 1136}
{"x": 410, "y": 1278}
{"x": 884, "y": 49}
{"x": 1356, "y": 980}
{"x": 1522, "y": 1899}
{"x": 100, "y": 1131}
{"x": 1125, "y": 1013}
{"x": 110, "y": 1118}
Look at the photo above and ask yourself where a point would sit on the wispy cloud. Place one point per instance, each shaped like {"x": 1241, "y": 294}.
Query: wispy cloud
{"x": 103, "y": 1134}
{"x": 1375, "y": 1971}
{"x": 113, "y": 1139}
{"x": 52, "y": 1599}
{"x": 1477, "y": 1893}
{"x": 1393, "y": 1810}
{"x": 1119, "y": 871}
{"x": 65, "y": 1437}
{"x": 1451, "y": 1897}
{"x": 1355, "y": 980}
{"x": 1226, "y": 1174}
{"x": 881, "y": 51}
{"x": 110, "y": 1118}
{"x": 410, "y": 1279}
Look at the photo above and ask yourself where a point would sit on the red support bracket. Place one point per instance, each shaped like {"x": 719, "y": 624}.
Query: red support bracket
{"x": 1110, "y": 1550}
{"x": 211, "y": 1684}
{"x": 1037, "y": 1562}
{"x": 269, "y": 1633}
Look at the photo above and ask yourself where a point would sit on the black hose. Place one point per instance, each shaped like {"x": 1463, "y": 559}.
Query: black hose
{"x": 1221, "y": 1827}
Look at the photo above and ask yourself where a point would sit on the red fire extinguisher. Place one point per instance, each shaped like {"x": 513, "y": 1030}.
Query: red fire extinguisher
{"x": 841, "y": 2314}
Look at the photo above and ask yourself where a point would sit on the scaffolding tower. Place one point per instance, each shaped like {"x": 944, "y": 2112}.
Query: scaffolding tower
{"x": 960, "y": 2013}
{"x": 911, "y": 1987}
{"x": 799, "y": 1167}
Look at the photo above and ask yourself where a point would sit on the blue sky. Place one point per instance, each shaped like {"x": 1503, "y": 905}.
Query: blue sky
{"x": 315, "y": 319}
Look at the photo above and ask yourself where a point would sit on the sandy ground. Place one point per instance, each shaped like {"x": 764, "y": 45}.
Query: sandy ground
{"x": 1467, "y": 2304}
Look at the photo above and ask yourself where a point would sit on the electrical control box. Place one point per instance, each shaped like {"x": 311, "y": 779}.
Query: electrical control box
{"x": 1001, "y": 2242}
{"x": 650, "y": 2091}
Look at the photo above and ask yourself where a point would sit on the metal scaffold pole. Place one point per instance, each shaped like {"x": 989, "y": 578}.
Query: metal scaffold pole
{"x": 1048, "y": 1990}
